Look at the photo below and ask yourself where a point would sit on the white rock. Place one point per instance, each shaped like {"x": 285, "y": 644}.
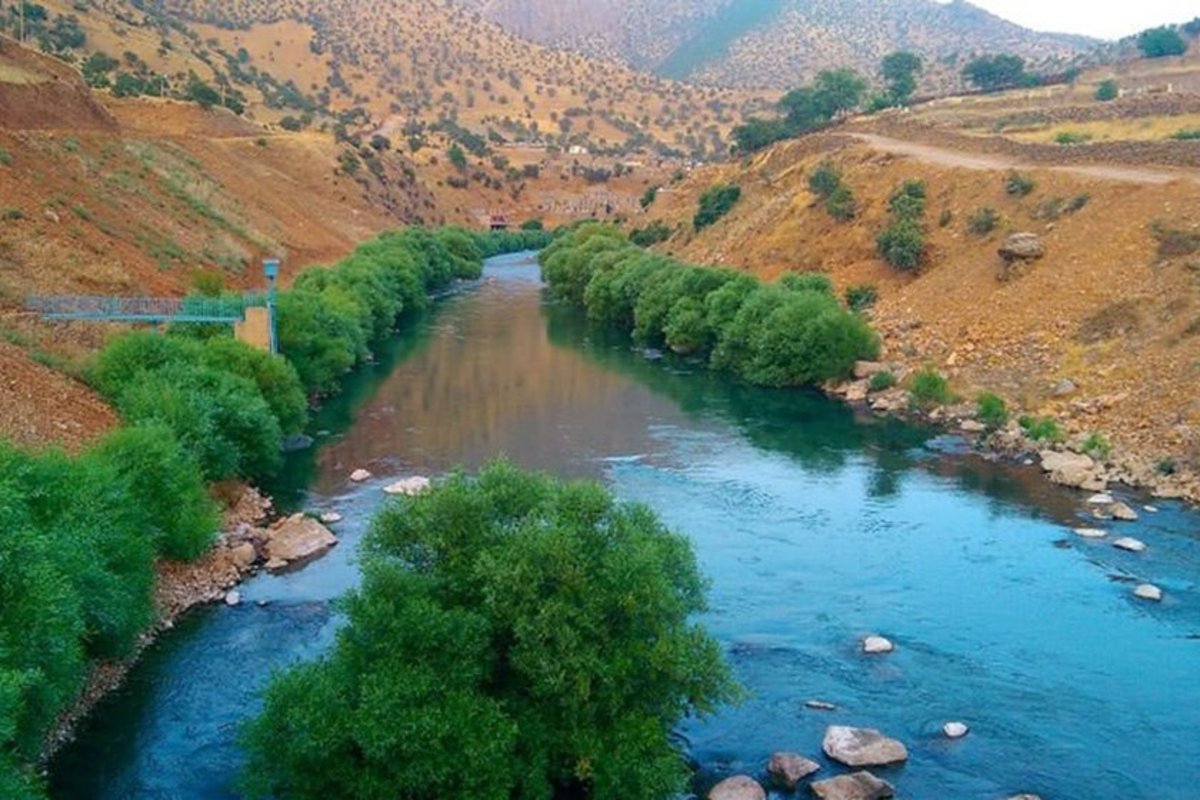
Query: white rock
{"x": 1090, "y": 533}
{"x": 409, "y": 487}
{"x": 972, "y": 426}
{"x": 876, "y": 645}
{"x": 233, "y": 598}
{"x": 819, "y": 705}
{"x": 862, "y": 747}
{"x": 330, "y": 518}
{"x": 1101, "y": 500}
{"x": 1130, "y": 544}
{"x": 1123, "y": 512}
{"x": 1025, "y": 797}
{"x": 955, "y": 730}
{"x": 1150, "y": 509}
{"x": 1148, "y": 591}
{"x": 360, "y": 475}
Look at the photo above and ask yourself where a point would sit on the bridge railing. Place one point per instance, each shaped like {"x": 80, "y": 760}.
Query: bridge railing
{"x": 220, "y": 310}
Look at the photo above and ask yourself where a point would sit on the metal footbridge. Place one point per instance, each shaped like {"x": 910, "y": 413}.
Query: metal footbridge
{"x": 148, "y": 310}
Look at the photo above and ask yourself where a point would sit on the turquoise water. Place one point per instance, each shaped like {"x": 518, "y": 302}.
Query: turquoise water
{"x": 816, "y": 527}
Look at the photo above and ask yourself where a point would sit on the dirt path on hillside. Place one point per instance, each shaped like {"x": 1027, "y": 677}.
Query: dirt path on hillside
{"x": 932, "y": 154}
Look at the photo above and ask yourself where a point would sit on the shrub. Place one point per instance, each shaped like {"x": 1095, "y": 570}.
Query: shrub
{"x": 1167, "y": 467}
{"x": 1072, "y": 137}
{"x": 1077, "y": 203}
{"x": 929, "y": 389}
{"x": 807, "y": 282}
{"x": 946, "y": 217}
{"x": 649, "y": 196}
{"x": 1186, "y": 135}
{"x": 1174, "y": 242}
{"x": 538, "y": 631}
{"x": 825, "y": 179}
{"x": 991, "y": 410}
{"x": 11, "y": 214}
{"x": 1041, "y": 429}
{"x": 1098, "y": 447}
{"x": 902, "y": 244}
{"x": 1107, "y": 91}
{"x": 841, "y": 204}
{"x": 983, "y": 221}
{"x": 1161, "y": 42}
{"x": 882, "y": 381}
{"x": 5, "y": 158}
{"x": 652, "y": 234}
{"x": 1018, "y": 185}
{"x": 861, "y": 297}
{"x": 716, "y": 203}
{"x": 908, "y": 202}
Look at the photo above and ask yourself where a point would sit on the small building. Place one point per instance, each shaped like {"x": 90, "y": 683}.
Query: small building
{"x": 498, "y": 222}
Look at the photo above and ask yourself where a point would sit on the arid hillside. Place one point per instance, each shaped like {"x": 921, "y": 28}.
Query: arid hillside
{"x": 772, "y": 43}
{"x": 1102, "y": 333}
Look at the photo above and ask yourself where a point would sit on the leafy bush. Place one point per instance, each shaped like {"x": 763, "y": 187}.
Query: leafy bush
{"x": 882, "y": 381}
{"x": 654, "y": 233}
{"x": 1161, "y": 42}
{"x": 1018, "y": 185}
{"x": 908, "y": 202}
{"x": 1072, "y": 137}
{"x": 1174, "y": 242}
{"x": 983, "y": 221}
{"x": 649, "y": 196}
{"x": 537, "y": 631}
{"x": 825, "y": 179}
{"x": 1041, "y": 429}
{"x": 1107, "y": 91}
{"x": 991, "y": 410}
{"x": 1186, "y": 135}
{"x": 716, "y": 203}
{"x": 902, "y": 244}
{"x": 841, "y": 204}
{"x": 861, "y": 297}
{"x": 929, "y": 389}
{"x": 1098, "y": 447}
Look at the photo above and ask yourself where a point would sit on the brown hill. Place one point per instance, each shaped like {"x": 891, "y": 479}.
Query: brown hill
{"x": 772, "y": 43}
{"x": 41, "y": 92}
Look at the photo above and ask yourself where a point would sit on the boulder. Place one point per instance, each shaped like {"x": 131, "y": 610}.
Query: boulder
{"x": 1102, "y": 499}
{"x": 857, "y": 392}
{"x": 233, "y": 598}
{"x": 1148, "y": 591}
{"x": 972, "y": 426}
{"x": 1025, "y": 797}
{"x": 330, "y": 518}
{"x": 296, "y": 540}
{"x": 819, "y": 705}
{"x": 862, "y": 747}
{"x": 1065, "y": 387}
{"x": 243, "y": 556}
{"x": 955, "y": 730}
{"x": 1130, "y": 544}
{"x": 877, "y": 645}
{"x": 1022, "y": 247}
{"x": 1070, "y": 469}
{"x": 864, "y": 370}
{"x": 409, "y": 487}
{"x": 788, "y": 769}
{"x": 1123, "y": 512}
{"x": 1090, "y": 533}
{"x": 739, "y": 787}
{"x": 859, "y": 786}
{"x": 360, "y": 475}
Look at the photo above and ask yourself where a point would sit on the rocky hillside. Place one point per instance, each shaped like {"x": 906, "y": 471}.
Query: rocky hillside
{"x": 772, "y": 43}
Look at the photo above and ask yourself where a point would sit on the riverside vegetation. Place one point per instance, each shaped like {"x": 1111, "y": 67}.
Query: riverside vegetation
{"x": 792, "y": 333}
{"x": 82, "y": 534}
{"x": 513, "y": 636}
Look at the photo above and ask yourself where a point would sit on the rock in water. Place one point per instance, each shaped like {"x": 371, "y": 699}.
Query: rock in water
{"x": 1102, "y": 499}
{"x": 1025, "y": 797}
{"x": 330, "y": 518}
{"x": 739, "y": 787}
{"x": 955, "y": 730}
{"x": 859, "y": 786}
{"x": 862, "y": 747}
{"x": 233, "y": 598}
{"x": 1090, "y": 533}
{"x": 877, "y": 645}
{"x": 1130, "y": 544}
{"x": 296, "y": 540}
{"x": 360, "y": 475}
{"x": 1148, "y": 591}
{"x": 409, "y": 487}
{"x": 819, "y": 705}
{"x": 788, "y": 769}
{"x": 1123, "y": 512}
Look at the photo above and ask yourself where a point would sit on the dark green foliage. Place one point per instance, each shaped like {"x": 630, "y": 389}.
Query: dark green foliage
{"x": 1072, "y": 137}
{"x": 1174, "y": 242}
{"x": 513, "y": 637}
{"x": 757, "y": 133}
{"x": 1107, "y": 90}
{"x": 649, "y": 196}
{"x": 902, "y": 244}
{"x": 861, "y": 297}
{"x": 1186, "y": 135}
{"x": 908, "y": 202}
{"x": 983, "y": 221}
{"x": 1192, "y": 28}
{"x": 787, "y": 335}
{"x": 929, "y": 389}
{"x": 995, "y": 73}
{"x": 1041, "y": 429}
{"x": 1161, "y": 42}
{"x": 841, "y": 204}
{"x": 881, "y": 381}
{"x": 825, "y": 179}
{"x": 991, "y": 410}
{"x": 804, "y": 109}
{"x": 716, "y": 203}
{"x": 654, "y": 233}
{"x": 900, "y": 70}
{"x": 1018, "y": 185}
{"x": 202, "y": 94}
{"x": 458, "y": 158}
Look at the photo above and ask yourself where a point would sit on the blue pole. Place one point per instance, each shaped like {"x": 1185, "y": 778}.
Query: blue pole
{"x": 271, "y": 269}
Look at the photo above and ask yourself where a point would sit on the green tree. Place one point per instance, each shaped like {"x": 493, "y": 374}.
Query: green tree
{"x": 513, "y": 637}
{"x": 833, "y": 91}
{"x": 458, "y": 158}
{"x": 1161, "y": 42}
{"x": 900, "y": 71}
{"x": 1107, "y": 90}
{"x": 716, "y": 203}
{"x": 994, "y": 73}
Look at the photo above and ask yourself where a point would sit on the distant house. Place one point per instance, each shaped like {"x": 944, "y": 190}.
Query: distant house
{"x": 498, "y": 222}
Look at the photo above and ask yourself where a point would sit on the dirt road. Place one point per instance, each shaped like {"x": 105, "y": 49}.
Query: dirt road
{"x": 932, "y": 154}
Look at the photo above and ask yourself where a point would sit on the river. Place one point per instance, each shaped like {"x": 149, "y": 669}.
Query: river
{"x": 816, "y": 526}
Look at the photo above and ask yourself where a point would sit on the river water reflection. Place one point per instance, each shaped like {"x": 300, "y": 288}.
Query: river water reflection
{"x": 816, "y": 527}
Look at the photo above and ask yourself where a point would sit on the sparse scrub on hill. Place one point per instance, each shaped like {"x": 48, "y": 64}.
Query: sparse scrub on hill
{"x": 983, "y": 221}
{"x": 5, "y": 158}
{"x": 715, "y": 204}
{"x": 1053, "y": 208}
{"x": 649, "y": 196}
{"x": 654, "y": 233}
{"x": 841, "y": 205}
{"x": 902, "y": 243}
{"x": 825, "y": 179}
{"x": 861, "y": 297}
{"x": 789, "y": 334}
{"x": 1175, "y": 241}
{"x": 1161, "y": 42}
{"x": 484, "y": 605}
{"x": 1186, "y": 135}
{"x": 1072, "y": 137}
{"x": 1107, "y": 90}
{"x": 1017, "y": 184}
{"x": 1041, "y": 429}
